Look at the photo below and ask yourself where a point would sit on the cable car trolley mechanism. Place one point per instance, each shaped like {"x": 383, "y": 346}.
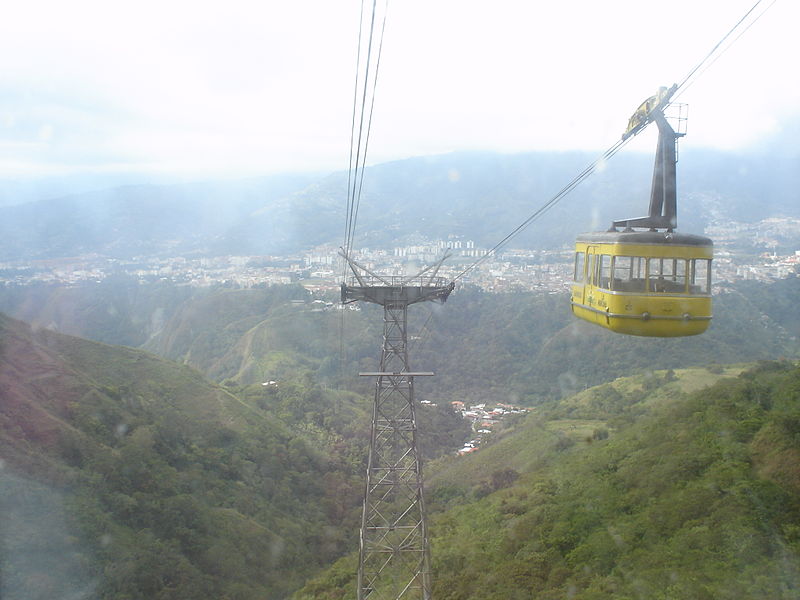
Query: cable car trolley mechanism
{"x": 641, "y": 277}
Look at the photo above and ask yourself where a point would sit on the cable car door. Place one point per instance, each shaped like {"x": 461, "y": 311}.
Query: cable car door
{"x": 589, "y": 279}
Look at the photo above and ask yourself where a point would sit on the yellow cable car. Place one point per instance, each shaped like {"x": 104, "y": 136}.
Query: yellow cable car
{"x": 652, "y": 282}
{"x": 644, "y": 282}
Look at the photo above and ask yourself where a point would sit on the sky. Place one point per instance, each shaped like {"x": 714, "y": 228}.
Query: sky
{"x": 242, "y": 88}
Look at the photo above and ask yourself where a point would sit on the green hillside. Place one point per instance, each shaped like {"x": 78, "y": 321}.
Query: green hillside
{"x": 208, "y": 327}
{"x": 523, "y": 347}
{"x": 646, "y": 487}
{"x": 118, "y": 310}
{"x": 132, "y": 476}
{"x": 529, "y": 346}
{"x": 124, "y": 475}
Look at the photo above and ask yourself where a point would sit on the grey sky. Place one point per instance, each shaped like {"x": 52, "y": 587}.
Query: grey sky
{"x": 248, "y": 87}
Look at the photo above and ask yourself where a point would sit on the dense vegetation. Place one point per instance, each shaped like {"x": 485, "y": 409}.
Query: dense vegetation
{"x": 639, "y": 488}
{"x": 156, "y": 483}
{"x": 530, "y": 346}
{"x": 518, "y": 347}
{"x": 132, "y": 476}
{"x": 118, "y": 310}
{"x": 168, "y": 486}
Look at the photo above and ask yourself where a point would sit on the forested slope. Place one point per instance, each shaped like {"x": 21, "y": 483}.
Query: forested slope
{"x": 124, "y": 475}
{"x": 522, "y": 347}
{"x": 529, "y": 346}
{"x": 518, "y": 347}
{"x": 117, "y": 310}
{"x": 640, "y": 488}
{"x": 154, "y": 478}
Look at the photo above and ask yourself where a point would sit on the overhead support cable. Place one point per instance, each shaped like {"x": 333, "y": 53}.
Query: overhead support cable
{"x": 359, "y": 139}
{"x": 547, "y": 205}
{"x": 363, "y": 107}
{"x": 704, "y": 64}
{"x": 348, "y": 212}
{"x": 369, "y": 129}
{"x": 351, "y": 192}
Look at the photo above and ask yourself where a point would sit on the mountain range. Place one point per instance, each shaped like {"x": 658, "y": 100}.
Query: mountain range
{"x": 128, "y": 474}
{"x": 163, "y": 441}
{"x": 478, "y": 196}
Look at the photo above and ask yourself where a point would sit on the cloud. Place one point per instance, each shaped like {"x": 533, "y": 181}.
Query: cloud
{"x": 250, "y": 86}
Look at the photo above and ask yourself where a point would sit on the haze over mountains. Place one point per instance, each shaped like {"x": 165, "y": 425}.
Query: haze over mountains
{"x": 480, "y": 196}
{"x": 167, "y": 469}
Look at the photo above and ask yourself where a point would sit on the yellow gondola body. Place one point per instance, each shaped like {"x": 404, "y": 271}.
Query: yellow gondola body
{"x": 646, "y": 283}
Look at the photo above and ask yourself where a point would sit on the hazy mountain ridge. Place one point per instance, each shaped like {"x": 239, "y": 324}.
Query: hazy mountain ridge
{"x": 136, "y": 220}
{"x": 480, "y": 196}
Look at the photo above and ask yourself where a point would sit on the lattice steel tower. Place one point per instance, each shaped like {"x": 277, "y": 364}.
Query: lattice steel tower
{"x": 394, "y": 557}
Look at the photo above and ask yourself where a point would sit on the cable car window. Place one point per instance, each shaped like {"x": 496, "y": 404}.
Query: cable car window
{"x": 701, "y": 276}
{"x": 623, "y": 265}
{"x": 604, "y": 280}
{"x": 655, "y": 278}
{"x": 677, "y": 274}
{"x": 628, "y": 274}
{"x": 667, "y": 275}
{"x": 579, "y": 275}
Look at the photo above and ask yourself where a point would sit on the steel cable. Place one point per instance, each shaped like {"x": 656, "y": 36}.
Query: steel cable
{"x": 685, "y": 82}
{"x": 355, "y": 180}
{"x": 547, "y": 205}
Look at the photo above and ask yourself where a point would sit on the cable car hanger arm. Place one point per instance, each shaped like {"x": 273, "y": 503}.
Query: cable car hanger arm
{"x": 663, "y": 213}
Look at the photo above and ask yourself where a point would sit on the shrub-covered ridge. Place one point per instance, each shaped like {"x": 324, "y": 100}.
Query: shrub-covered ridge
{"x": 676, "y": 495}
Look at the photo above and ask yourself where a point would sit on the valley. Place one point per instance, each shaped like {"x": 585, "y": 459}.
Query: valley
{"x": 121, "y": 439}
{"x": 182, "y": 416}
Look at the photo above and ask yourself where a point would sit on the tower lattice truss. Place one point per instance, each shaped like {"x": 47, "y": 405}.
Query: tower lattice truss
{"x": 394, "y": 558}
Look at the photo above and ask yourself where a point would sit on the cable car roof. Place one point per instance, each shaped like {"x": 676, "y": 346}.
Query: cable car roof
{"x": 660, "y": 238}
